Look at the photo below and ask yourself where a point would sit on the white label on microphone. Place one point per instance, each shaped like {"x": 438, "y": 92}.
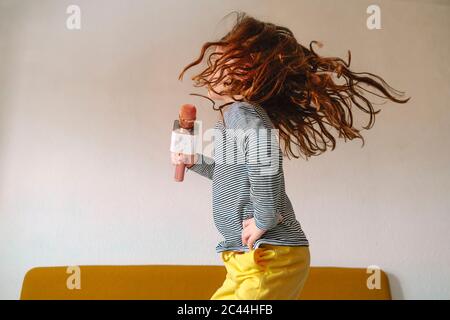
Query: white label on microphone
{"x": 182, "y": 143}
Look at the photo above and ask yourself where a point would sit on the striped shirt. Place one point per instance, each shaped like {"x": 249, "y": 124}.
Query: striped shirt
{"x": 248, "y": 181}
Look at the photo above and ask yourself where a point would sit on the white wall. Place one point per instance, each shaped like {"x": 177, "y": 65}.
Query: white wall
{"x": 85, "y": 120}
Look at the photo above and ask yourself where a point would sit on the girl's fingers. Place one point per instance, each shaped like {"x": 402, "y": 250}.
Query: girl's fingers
{"x": 245, "y": 237}
{"x": 246, "y": 222}
{"x": 177, "y": 158}
{"x": 173, "y": 158}
{"x": 251, "y": 241}
{"x": 190, "y": 159}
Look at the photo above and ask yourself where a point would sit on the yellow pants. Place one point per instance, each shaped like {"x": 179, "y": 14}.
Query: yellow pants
{"x": 269, "y": 272}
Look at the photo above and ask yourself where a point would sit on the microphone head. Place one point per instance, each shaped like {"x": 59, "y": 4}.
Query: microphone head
{"x": 187, "y": 116}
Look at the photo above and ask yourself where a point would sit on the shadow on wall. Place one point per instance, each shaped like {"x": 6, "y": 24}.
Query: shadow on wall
{"x": 396, "y": 289}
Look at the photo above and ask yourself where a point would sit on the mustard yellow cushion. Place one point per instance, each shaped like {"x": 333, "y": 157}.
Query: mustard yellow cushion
{"x": 180, "y": 282}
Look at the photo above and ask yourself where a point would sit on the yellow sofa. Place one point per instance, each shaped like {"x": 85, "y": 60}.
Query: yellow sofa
{"x": 184, "y": 282}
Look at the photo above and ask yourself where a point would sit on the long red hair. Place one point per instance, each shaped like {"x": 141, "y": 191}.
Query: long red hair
{"x": 297, "y": 87}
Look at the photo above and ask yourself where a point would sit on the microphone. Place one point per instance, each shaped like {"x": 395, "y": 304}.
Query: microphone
{"x": 183, "y": 138}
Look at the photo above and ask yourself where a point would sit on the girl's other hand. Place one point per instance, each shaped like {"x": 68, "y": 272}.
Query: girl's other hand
{"x": 251, "y": 232}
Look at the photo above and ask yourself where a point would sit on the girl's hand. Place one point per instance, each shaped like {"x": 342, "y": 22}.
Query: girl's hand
{"x": 179, "y": 158}
{"x": 251, "y": 232}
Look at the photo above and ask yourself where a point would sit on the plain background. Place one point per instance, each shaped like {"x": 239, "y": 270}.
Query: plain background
{"x": 86, "y": 117}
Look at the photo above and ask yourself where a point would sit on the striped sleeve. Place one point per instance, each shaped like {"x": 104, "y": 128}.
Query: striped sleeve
{"x": 204, "y": 166}
{"x": 262, "y": 160}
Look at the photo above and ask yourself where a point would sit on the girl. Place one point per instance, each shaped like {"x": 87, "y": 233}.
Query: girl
{"x": 270, "y": 83}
